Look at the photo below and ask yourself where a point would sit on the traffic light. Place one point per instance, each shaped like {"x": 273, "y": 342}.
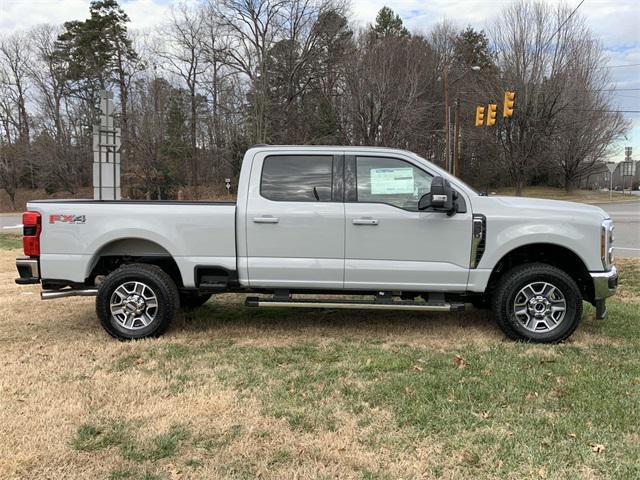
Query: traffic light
{"x": 491, "y": 116}
{"x": 509, "y": 99}
{"x": 479, "y": 116}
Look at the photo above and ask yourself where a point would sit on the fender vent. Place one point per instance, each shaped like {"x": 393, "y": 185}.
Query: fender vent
{"x": 478, "y": 239}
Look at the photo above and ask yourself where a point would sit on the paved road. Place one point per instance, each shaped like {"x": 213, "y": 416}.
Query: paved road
{"x": 10, "y": 221}
{"x": 626, "y": 217}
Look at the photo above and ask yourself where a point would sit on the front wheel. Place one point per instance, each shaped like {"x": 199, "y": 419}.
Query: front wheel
{"x": 537, "y": 303}
{"x": 137, "y": 301}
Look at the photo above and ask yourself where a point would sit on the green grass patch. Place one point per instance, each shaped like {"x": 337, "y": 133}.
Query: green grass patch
{"x": 125, "y": 363}
{"x": 629, "y": 277}
{"x": 97, "y": 436}
{"x": 151, "y": 476}
{"x": 160, "y": 446}
{"x": 10, "y": 242}
{"x": 91, "y": 437}
{"x": 218, "y": 440}
{"x": 121, "y": 475}
{"x": 280, "y": 456}
{"x": 194, "y": 463}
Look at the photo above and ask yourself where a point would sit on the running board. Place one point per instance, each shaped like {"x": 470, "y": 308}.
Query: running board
{"x": 356, "y": 304}
{"x": 68, "y": 292}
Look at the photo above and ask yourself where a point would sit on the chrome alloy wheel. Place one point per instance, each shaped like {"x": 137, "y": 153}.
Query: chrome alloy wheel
{"x": 133, "y": 305}
{"x": 539, "y": 307}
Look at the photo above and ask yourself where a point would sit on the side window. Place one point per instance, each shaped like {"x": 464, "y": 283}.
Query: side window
{"x": 392, "y": 181}
{"x": 297, "y": 178}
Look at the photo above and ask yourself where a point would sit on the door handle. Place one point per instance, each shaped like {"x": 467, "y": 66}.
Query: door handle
{"x": 266, "y": 219}
{"x": 364, "y": 221}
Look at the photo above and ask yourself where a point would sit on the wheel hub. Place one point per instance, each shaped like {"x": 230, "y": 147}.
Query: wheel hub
{"x": 134, "y": 305}
{"x": 539, "y": 307}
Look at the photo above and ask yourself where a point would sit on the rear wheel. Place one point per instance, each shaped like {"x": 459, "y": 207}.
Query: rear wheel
{"x": 193, "y": 300}
{"x": 537, "y": 303}
{"x": 137, "y": 301}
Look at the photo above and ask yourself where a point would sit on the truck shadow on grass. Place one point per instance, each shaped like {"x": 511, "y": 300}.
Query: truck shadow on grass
{"x": 221, "y": 318}
{"x": 227, "y": 319}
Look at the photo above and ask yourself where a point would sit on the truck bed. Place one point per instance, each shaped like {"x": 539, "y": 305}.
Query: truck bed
{"x": 75, "y": 233}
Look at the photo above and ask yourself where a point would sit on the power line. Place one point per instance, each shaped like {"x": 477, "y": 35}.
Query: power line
{"x": 622, "y": 66}
{"x": 606, "y": 111}
{"x": 562, "y": 25}
{"x": 629, "y": 96}
{"x": 616, "y": 90}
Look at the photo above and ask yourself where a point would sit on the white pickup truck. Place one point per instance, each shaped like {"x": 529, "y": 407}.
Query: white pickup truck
{"x": 379, "y": 224}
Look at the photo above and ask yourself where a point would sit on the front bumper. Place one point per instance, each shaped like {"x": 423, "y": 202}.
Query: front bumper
{"x": 28, "y": 269}
{"x": 605, "y": 284}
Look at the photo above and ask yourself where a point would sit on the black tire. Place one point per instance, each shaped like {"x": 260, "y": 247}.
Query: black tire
{"x": 193, "y": 300}
{"x": 509, "y": 289}
{"x": 159, "y": 286}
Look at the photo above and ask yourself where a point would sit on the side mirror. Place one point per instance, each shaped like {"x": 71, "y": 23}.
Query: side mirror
{"x": 440, "y": 198}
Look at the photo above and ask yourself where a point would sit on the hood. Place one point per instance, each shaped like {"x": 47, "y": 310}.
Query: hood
{"x": 551, "y": 207}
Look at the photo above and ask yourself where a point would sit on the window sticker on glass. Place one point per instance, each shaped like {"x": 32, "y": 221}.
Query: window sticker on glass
{"x": 391, "y": 181}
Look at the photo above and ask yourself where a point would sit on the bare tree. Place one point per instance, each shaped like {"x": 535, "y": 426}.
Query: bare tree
{"x": 14, "y": 83}
{"x": 183, "y": 54}
{"x": 522, "y": 36}
{"x": 586, "y": 125}
{"x": 252, "y": 27}
{"x": 551, "y": 61}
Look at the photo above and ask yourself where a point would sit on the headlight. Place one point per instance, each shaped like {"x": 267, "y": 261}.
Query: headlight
{"x": 606, "y": 244}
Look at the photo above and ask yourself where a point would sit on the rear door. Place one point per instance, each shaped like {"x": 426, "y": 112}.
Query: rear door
{"x": 390, "y": 244}
{"x": 295, "y": 220}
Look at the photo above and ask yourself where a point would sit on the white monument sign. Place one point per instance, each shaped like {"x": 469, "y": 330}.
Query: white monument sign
{"x": 106, "y": 153}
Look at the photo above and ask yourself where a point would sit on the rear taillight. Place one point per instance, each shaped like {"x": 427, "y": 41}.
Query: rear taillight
{"x": 31, "y": 228}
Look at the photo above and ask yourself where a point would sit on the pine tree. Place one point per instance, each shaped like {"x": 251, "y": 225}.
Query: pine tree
{"x": 389, "y": 24}
{"x": 95, "y": 49}
{"x": 472, "y": 48}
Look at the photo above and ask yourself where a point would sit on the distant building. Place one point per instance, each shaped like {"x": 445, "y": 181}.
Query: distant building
{"x": 600, "y": 178}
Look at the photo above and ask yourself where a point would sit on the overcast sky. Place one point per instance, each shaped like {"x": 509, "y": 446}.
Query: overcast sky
{"x": 616, "y": 23}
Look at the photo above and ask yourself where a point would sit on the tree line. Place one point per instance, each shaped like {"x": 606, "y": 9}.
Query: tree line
{"x": 220, "y": 75}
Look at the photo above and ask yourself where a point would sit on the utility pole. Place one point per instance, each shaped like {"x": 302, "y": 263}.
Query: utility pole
{"x": 456, "y": 140}
{"x": 628, "y": 169}
{"x": 446, "y": 117}
{"x": 448, "y": 161}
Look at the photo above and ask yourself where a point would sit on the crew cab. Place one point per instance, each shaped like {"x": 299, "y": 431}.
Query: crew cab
{"x": 382, "y": 225}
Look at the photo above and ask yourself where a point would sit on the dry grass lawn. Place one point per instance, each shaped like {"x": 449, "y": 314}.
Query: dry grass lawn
{"x": 235, "y": 393}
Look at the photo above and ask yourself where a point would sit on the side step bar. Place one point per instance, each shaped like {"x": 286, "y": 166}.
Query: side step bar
{"x": 356, "y": 304}
{"x": 53, "y": 294}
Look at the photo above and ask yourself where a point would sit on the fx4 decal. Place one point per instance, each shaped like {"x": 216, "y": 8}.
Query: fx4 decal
{"x": 67, "y": 218}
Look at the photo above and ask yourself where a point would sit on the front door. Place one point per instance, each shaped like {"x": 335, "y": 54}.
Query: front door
{"x": 389, "y": 244}
{"x": 295, "y": 221}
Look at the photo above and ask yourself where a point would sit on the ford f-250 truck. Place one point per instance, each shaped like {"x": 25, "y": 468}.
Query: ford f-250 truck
{"x": 380, "y": 224}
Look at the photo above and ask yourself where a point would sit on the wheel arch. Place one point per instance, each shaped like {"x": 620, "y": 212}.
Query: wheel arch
{"x": 549, "y": 253}
{"x": 126, "y": 250}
